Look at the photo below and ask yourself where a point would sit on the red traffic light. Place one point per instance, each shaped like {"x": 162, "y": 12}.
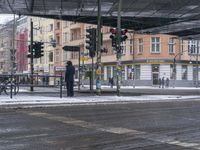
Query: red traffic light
{"x": 124, "y": 31}
{"x": 113, "y": 30}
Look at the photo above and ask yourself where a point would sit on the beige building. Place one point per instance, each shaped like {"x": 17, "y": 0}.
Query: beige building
{"x": 43, "y": 31}
{"x": 6, "y": 45}
{"x": 145, "y": 58}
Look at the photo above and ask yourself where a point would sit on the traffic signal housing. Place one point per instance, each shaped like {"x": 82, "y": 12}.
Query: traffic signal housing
{"x": 113, "y": 36}
{"x": 123, "y": 35}
{"x": 39, "y": 52}
{"x": 91, "y": 41}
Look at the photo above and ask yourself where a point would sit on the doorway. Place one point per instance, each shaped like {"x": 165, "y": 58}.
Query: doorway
{"x": 155, "y": 74}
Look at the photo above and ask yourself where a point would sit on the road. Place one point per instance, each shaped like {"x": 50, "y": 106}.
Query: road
{"x": 144, "y": 126}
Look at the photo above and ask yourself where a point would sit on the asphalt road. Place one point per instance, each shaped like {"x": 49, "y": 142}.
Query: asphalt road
{"x": 146, "y": 126}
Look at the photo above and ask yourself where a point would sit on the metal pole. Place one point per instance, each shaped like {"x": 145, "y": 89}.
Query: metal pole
{"x": 61, "y": 84}
{"x": 119, "y": 66}
{"x": 197, "y": 72}
{"x": 79, "y": 65}
{"x": 98, "y": 67}
{"x": 174, "y": 72}
{"x": 133, "y": 72}
{"x": 92, "y": 74}
{"x": 31, "y": 63}
{"x": 12, "y": 63}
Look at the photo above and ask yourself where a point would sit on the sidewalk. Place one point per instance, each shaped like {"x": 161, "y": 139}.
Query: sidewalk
{"x": 45, "y": 97}
{"x": 147, "y": 90}
{"x": 27, "y": 101}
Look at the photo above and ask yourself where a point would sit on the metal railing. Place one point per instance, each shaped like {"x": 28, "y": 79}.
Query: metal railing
{"x": 24, "y": 80}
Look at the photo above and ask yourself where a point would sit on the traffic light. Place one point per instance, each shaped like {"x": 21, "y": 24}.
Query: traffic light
{"x": 91, "y": 41}
{"x": 33, "y": 49}
{"x": 113, "y": 36}
{"x": 123, "y": 35}
{"x": 38, "y": 49}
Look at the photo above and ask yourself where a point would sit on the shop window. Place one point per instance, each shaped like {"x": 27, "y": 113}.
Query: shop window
{"x": 137, "y": 72}
{"x": 184, "y": 72}
{"x": 129, "y": 72}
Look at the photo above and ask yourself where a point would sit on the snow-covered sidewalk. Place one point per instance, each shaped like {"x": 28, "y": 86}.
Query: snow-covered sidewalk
{"x": 44, "y": 100}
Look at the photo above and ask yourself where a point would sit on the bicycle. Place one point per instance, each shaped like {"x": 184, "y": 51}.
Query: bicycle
{"x": 5, "y": 86}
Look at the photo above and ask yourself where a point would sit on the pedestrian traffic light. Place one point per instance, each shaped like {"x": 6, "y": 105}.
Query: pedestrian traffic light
{"x": 38, "y": 49}
{"x": 91, "y": 41}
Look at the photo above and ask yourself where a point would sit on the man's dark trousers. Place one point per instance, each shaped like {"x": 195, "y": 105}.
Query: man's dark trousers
{"x": 70, "y": 88}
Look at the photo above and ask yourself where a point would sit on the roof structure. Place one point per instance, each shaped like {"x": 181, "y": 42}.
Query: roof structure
{"x": 174, "y": 16}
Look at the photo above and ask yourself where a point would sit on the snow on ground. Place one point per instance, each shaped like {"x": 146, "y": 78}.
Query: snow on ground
{"x": 17, "y": 100}
{"x": 144, "y": 87}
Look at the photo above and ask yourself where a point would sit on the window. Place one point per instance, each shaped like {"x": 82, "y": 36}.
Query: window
{"x": 58, "y": 39}
{"x": 140, "y": 46}
{"x": 137, "y": 72}
{"x": 171, "y": 45}
{"x": 131, "y": 46}
{"x": 123, "y": 47}
{"x": 155, "y": 68}
{"x": 155, "y": 45}
{"x": 114, "y": 71}
{"x": 184, "y": 72}
{"x": 123, "y": 72}
{"x": 182, "y": 45}
{"x": 65, "y": 23}
{"x": 51, "y": 27}
{"x": 192, "y": 47}
{"x": 129, "y": 72}
{"x": 195, "y": 73}
{"x": 51, "y": 57}
{"x": 108, "y": 72}
{"x": 65, "y": 36}
{"x": 58, "y": 25}
{"x": 57, "y": 55}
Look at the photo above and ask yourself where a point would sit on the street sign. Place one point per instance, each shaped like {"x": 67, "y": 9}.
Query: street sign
{"x": 71, "y": 48}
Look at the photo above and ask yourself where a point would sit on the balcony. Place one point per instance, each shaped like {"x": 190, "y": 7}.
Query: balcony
{"x": 76, "y": 41}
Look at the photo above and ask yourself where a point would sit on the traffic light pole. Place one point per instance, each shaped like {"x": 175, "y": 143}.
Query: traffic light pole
{"x": 31, "y": 63}
{"x": 98, "y": 64}
{"x": 118, "y": 49}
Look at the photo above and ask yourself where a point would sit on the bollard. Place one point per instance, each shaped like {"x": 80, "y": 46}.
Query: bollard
{"x": 61, "y": 86}
{"x": 11, "y": 86}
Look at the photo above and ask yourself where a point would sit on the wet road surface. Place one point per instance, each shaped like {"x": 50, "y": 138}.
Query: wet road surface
{"x": 146, "y": 126}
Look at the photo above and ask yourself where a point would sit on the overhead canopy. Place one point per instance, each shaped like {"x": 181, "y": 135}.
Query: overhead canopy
{"x": 138, "y": 15}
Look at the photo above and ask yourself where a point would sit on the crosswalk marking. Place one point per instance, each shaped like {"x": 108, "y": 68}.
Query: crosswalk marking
{"x": 115, "y": 130}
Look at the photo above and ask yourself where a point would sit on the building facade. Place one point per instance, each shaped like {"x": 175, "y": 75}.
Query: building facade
{"x": 145, "y": 58}
{"x": 7, "y": 54}
{"x": 22, "y": 42}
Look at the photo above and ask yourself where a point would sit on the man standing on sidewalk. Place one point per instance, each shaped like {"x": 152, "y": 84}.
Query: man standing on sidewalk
{"x": 69, "y": 78}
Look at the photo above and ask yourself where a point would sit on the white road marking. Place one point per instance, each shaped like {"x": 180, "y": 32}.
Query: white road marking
{"x": 116, "y": 130}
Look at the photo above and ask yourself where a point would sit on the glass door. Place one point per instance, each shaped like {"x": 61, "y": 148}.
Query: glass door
{"x": 155, "y": 74}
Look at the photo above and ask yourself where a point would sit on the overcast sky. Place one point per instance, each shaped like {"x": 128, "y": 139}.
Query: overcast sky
{"x": 5, "y": 17}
